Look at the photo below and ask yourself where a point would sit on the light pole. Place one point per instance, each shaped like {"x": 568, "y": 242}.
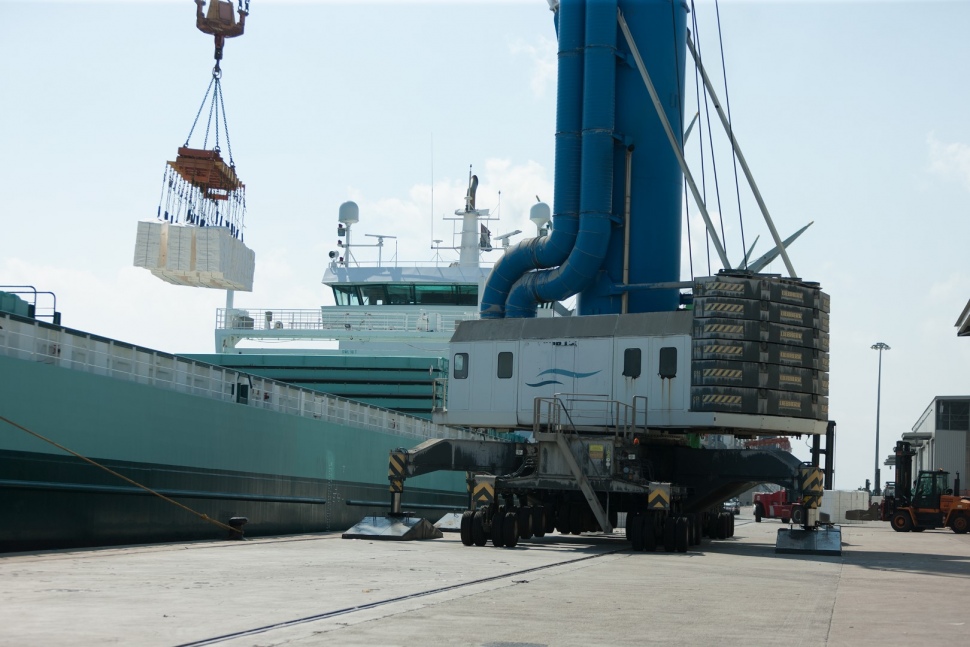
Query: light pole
{"x": 879, "y": 346}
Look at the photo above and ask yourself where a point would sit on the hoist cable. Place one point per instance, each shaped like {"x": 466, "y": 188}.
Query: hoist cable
{"x": 191, "y": 130}
{"x": 710, "y": 136}
{"x": 680, "y": 127}
{"x": 700, "y": 141}
{"x": 225, "y": 126}
{"x": 734, "y": 155}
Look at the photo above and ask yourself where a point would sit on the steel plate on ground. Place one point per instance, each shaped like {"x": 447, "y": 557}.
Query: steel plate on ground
{"x": 827, "y": 540}
{"x": 393, "y": 528}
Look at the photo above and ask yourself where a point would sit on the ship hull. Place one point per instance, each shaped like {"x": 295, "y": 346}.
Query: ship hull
{"x": 285, "y": 473}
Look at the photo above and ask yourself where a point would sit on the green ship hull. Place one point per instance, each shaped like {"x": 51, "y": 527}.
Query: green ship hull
{"x": 221, "y": 442}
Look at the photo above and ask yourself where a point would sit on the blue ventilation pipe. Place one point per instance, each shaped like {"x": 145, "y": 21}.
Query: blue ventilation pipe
{"x": 596, "y": 172}
{"x": 552, "y": 250}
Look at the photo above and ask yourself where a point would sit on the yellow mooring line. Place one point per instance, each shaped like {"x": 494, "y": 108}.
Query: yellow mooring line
{"x": 200, "y": 515}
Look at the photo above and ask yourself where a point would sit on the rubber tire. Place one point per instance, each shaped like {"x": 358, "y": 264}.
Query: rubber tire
{"x": 901, "y": 522}
{"x": 681, "y": 534}
{"x": 670, "y": 535}
{"x": 960, "y": 524}
{"x": 698, "y": 531}
{"x": 576, "y": 520}
{"x": 498, "y": 532}
{"x": 549, "y": 514}
{"x": 721, "y": 531}
{"x": 730, "y": 526}
{"x": 563, "y": 518}
{"x": 758, "y": 512}
{"x": 479, "y": 537}
{"x": 539, "y": 521}
{"x": 634, "y": 531}
{"x": 525, "y": 522}
{"x": 510, "y": 529}
{"x": 466, "y": 527}
{"x": 648, "y": 528}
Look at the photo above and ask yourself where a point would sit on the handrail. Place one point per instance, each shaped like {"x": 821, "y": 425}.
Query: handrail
{"x": 29, "y": 289}
{"x": 30, "y": 340}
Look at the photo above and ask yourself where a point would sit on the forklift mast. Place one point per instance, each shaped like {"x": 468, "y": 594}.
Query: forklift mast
{"x": 904, "y": 472}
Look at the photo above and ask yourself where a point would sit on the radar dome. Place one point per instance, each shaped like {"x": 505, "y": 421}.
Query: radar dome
{"x": 350, "y": 213}
{"x": 539, "y": 214}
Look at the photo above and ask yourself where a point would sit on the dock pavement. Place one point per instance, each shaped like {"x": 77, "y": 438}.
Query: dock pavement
{"x": 885, "y": 589}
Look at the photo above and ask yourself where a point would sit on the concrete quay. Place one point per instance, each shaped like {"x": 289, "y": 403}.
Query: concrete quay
{"x": 887, "y": 588}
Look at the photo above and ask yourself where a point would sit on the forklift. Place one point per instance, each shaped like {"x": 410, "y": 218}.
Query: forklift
{"x": 930, "y": 504}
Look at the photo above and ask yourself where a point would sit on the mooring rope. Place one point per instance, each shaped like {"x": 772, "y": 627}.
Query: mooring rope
{"x": 200, "y": 515}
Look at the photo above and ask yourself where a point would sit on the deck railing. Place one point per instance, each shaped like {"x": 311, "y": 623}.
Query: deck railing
{"x": 340, "y": 320}
{"x": 34, "y": 341}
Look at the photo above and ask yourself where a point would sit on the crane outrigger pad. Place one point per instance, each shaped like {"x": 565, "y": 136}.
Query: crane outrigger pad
{"x": 825, "y": 540}
{"x": 393, "y": 528}
{"x": 451, "y": 522}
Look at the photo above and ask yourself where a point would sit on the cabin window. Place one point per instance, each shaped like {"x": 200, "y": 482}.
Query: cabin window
{"x": 504, "y": 365}
{"x": 461, "y": 366}
{"x": 668, "y": 362}
{"x": 468, "y": 295}
{"x": 399, "y": 295}
{"x": 346, "y": 295}
{"x": 631, "y": 363}
{"x": 373, "y": 295}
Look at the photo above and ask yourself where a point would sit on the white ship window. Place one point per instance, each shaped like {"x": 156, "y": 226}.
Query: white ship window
{"x": 504, "y": 365}
{"x": 461, "y": 366}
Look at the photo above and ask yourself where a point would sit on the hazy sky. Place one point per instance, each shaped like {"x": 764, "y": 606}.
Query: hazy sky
{"x": 851, "y": 114}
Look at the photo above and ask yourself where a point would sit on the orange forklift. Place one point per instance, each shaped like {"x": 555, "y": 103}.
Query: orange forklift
{"x": 930, "y": 504}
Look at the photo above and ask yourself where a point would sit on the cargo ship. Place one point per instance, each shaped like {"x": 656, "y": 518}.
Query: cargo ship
{"x": 292, "y": 441}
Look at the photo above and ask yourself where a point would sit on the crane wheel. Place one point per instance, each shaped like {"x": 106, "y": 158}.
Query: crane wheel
{"x": 539, "y": 521}
{"x": 670, "y": 534}
{"x": 682, "y": 534}
{"x": 466, "y": 527}
{"x": 498, "y": 523}
{"x": 479, "y": 537}
{"x": 960, "y": 524}
{"x": 758, "y": 512}
{"x": 525, "y": 522}
{"x": 634, "y": 531}
{"x": 901, "y": 522}
{"x": 648, "y": 529}
{"x": 510, "y": 526}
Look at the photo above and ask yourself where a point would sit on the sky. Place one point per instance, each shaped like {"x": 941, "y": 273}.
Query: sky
{"x": 851, "y": 115}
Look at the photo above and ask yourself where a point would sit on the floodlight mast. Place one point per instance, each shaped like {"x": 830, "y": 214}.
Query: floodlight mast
{"x": 879, "y": 346}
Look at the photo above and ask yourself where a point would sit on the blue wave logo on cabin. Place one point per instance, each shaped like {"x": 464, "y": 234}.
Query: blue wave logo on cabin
{"x": 558, "y": 371}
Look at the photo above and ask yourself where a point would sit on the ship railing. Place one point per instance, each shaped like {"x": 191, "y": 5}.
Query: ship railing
{"x": 589, "y": 412}
{"x": 336, "y": 319}
{"x": 27, "y": 339}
